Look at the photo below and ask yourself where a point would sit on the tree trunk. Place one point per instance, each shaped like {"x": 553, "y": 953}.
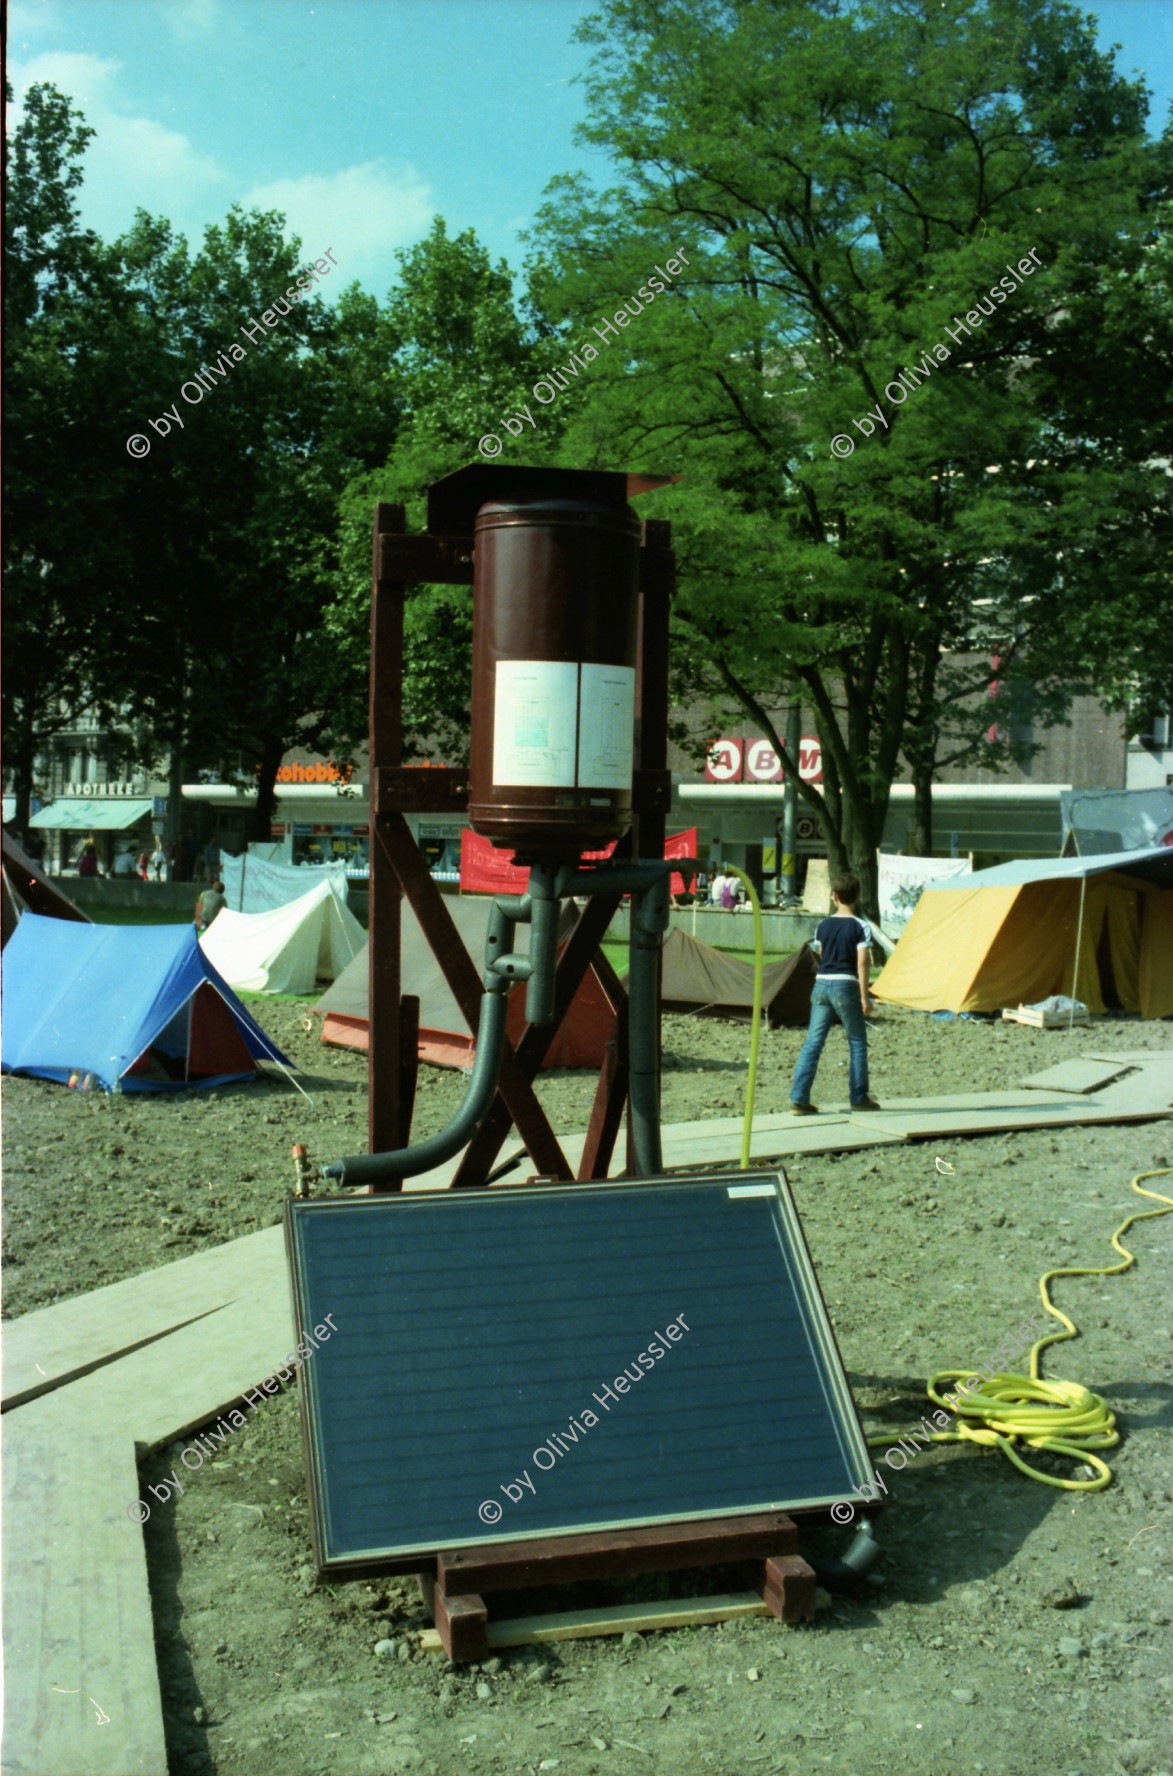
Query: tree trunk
{"x": 260, "y": 822}
{"x": 22, "y": 784}
{"x": 865, "y": 866}
{"x": 919, "y": 842}
{"x": 173, "y": 820}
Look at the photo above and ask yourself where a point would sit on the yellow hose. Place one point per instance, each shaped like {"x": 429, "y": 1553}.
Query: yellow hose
{"x": 1060, "y": 1416}
{"x": 758, "y": 965}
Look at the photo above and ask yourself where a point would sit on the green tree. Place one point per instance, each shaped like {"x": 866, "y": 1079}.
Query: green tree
{"x": 73, "y": 357}
{"x": 274, "y": 402}
{"x": 847, "y": 185}
{"x": 1114, "y": 425}
{"x": 463, "y": 358}
{"x": 182, "y": 580}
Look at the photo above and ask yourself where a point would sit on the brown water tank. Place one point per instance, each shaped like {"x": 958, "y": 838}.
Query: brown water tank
{"x": 555, "y": 609}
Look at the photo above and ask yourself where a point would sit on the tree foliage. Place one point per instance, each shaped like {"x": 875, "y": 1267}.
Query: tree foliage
{"x": 184, "y": 579}
{"x": 462, "y": 358}
{"x": 848, "y": 183}
{"x": 72, "y": 355}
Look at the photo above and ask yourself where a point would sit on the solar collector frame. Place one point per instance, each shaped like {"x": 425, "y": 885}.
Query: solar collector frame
{"x": 474, "y": 1327}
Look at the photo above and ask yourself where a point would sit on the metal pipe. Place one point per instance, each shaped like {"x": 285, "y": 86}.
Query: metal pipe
{"x": 1078, "y": 947}
{"x": 647, "y": 882}
{"x": 649, "y": 921}
{"x": 850, "y": 1573}
{"x": 409, "y": 1162}
{"x": 502, "y": 968}
{"x": 790, "y": 803}
{"x": 545, "y": 907}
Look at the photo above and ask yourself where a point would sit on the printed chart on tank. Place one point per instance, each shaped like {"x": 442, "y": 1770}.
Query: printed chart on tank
{"x": 562, "y": 725}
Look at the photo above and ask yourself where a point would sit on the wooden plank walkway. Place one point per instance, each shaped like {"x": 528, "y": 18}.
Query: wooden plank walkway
{"x": 1076, "y": 1076}
{"x": 81, "y": 1684}
{"x": 60, "y": 1343}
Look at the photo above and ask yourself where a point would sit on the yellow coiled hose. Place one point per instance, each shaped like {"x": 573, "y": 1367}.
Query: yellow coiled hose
{"x": 1061, "y": 1417}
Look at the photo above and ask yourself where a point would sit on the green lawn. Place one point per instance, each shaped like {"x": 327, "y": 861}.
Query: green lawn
{"x": 616, "y": 953}
{"x": 115, "y": 915}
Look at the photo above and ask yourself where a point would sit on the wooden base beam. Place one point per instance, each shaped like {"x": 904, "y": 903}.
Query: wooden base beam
{"x": 622, "y": 1618}
{"x": 763, "y": 1547}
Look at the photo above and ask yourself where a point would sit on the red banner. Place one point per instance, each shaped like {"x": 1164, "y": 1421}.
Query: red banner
{"x": 484, "y": 869}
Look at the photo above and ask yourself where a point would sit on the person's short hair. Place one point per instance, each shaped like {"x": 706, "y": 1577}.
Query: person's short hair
{"x": 846, "y": 889}
{"x": 217, "y": 887}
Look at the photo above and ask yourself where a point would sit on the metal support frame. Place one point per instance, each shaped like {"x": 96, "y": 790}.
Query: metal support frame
{"x": 397, "y": 868}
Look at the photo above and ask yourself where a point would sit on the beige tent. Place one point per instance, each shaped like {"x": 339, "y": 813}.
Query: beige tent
{"x": 1099, "y": 929}
{"x": 444, "y": 1037}
{"x": 699, "y": 978}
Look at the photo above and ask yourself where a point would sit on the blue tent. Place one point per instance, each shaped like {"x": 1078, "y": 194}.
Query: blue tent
{"x": 140, "y": 1005}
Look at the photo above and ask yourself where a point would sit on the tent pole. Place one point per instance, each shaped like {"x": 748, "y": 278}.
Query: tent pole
{"x": 1078, "y": 941}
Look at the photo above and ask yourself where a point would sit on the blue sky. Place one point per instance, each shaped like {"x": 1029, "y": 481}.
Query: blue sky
{"x": 360, "y": 119}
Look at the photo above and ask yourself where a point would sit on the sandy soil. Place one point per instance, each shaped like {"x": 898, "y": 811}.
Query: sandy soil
{"x": 1012, "y": 1628}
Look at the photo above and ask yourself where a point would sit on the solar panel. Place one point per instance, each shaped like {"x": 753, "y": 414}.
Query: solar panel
{"x": 545, "y": 1360}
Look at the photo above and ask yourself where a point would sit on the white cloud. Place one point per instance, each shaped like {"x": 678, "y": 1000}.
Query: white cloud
{"x": 363, "y": 212}
{"x": 34, "y": 17}
{"x": 132, "y": 162}
{"x": 193, "y": 18}
{"x": 135, "y": 162}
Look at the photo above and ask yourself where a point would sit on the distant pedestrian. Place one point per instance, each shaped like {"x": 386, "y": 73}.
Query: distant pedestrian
{"x": 144, "y": 865}
{"x": 210, "y": 902}
{"x": 718, "y": 886}
{"x": 841, "y": 994}
{"x": 159, "y": 864}
{"x": 87, "y": 863}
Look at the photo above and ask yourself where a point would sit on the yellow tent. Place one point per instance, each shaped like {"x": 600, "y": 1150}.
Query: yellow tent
{"x": 1097, "y": 928}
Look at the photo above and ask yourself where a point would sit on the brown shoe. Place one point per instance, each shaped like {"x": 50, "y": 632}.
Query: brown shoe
{"x": 868, "y": 1103}
{"x": 805, "y": 1109}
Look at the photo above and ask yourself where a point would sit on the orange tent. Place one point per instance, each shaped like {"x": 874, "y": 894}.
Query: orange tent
{"x": 1099, "y": 929}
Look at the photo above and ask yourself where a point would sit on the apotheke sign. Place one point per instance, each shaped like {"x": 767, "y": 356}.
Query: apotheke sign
{"x": 753, "y": 760}
{"x": 96, "y": 791}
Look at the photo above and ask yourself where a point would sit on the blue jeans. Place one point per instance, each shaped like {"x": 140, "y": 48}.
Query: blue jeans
{"x": 833, "y": 1002}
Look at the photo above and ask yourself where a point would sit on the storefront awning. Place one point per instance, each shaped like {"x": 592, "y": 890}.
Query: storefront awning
{"x": 78, "y": 814}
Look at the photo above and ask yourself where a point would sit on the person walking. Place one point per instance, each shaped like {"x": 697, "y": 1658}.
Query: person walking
{"x": 209, "y": 903}
{"x": 841, "y": 994}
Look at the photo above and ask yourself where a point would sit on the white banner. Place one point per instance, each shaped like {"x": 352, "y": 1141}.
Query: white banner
{"x": 254, "y": 884}
{"x": 904, "y": 879}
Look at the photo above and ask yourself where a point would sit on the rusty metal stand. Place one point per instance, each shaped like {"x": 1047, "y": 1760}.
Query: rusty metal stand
{"x": 397, "y": 868}
{"x": 765, "y": 1547}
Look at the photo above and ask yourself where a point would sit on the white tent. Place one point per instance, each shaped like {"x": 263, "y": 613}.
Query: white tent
{"x": 288, "y": 949}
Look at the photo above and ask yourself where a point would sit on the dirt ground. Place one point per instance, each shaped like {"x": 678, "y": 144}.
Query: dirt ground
{"x": 1011, "y": 1628}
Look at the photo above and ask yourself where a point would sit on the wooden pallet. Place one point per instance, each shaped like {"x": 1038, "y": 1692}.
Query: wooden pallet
{"x": 764, "y": 1546}
{"x": 1045, "y": 1020}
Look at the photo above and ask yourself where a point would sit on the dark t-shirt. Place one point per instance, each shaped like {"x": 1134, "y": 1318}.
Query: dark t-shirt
{"x": 838, "y": 942}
